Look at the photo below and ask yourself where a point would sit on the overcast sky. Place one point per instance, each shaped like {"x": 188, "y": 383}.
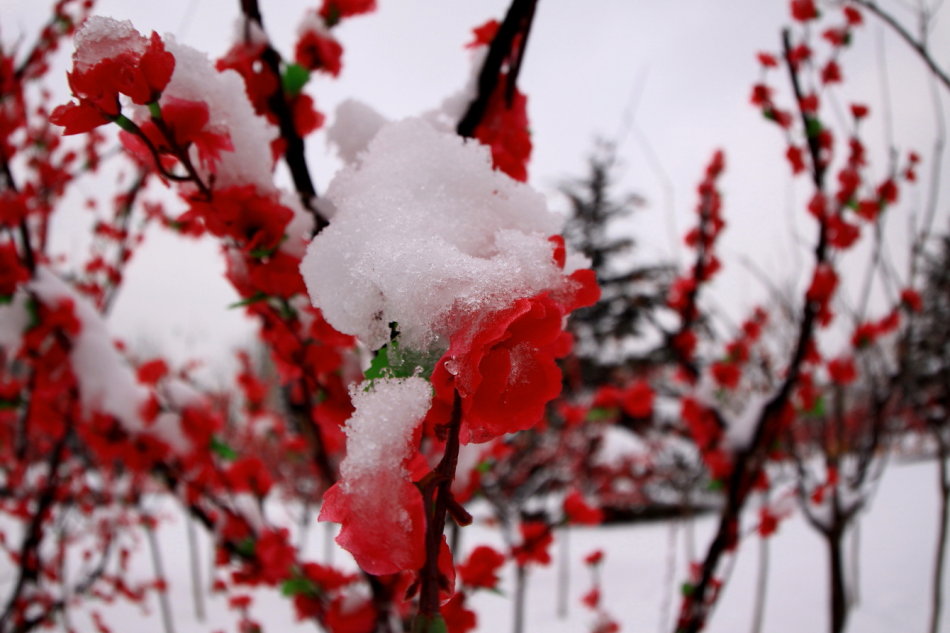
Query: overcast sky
{"x": 682, "y": 68}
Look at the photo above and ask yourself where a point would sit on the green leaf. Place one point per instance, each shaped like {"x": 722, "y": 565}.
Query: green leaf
{"x": 155, "y": 110}
{"x": 261, "y": 253}
{"x": 380, "y": 364}
{"x": 257, "y": 296}
{"x": 429, "y": 624}
{"x": 247, "y": 547}
{"x": 222, "y": 450}
{"x": 818, "y": 410}
{"x": 295, "y": 78}
{"x": 484, "y": 466}
{"x": 599, "y": 414}
{"x": 6, "y": 299}
{"x": 812, "y": 126}
{"x": 297, "y": 586}
{"x": 687, "y": 589}
{"x": 716, "y": 485}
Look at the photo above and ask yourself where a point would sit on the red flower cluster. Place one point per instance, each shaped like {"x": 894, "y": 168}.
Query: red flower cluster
{"x": 140, "y": 71}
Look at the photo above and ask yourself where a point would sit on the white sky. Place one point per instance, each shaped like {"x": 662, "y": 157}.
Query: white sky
{"x": 690, "y": 63}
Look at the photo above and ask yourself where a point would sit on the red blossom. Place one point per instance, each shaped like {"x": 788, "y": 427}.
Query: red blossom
{"x": 484, "y": 34}
{"x": 910, "y": 298}
{"x": 380, "y": 544}
{"x": 795, "y": 158}
{"x": 458, "y": 618}
{"x": 535, "y": 538}
{"x": 332, "y": 11}
{"x": 726, "y": 374}
{"x": 152, "y": 371}
{"x": 803, "y": 10}
{"x": 78, "y": 118}
{"x": 504, "y": 368}
{"x": 768, "y": 523}
{"x": 637, "y": 399}
{"x": 831, "y": 73}
{"x": 859, "y": 110}
{"x": 481, "y": 568}
{"x": 12, "y": 271}
{"x": 594, "y": 558}
{"x": 591, "y": 599}
{"x": 504, "y": 128}
{"x": 842, "y": 371}
{"x": 579, "y": 512}
{"x": 767, "y": 60}
{"x": 852, "y": 15}
{"x": 320, "y": 52}
{"x": 823, "y": 284}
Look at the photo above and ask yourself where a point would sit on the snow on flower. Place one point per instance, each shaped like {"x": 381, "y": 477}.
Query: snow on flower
{"x": 424, "y": 233}
{"x": 379, "y": 507}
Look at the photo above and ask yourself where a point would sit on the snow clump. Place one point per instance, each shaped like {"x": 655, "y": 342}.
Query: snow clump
{"x": 426, "y": 233}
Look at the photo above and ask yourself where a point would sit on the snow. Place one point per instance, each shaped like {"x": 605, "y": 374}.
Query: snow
{"x": 354, "y": 126}
{"x": 897, "y": 538}
{"x": 424, "y": 233}
{"x": 195, "y": 78}
{"x": 102, "y": 38}
{"x": 378, "y": 433}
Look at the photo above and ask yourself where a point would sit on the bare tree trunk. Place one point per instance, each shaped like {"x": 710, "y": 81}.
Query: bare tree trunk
{"x": 836, "y": 588}
{"x": 936, "y": 601}
{"x": 159, "y": 569}
{"x": 854, "y": 593}
{"x": 564, "y": 573}
{"x": 521, "y": 580}
{"x": 197, "y": 592}
{"x": 758, "y": 614}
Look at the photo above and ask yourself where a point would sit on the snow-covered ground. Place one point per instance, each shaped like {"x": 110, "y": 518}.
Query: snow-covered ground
{"x": 896, "y": 541}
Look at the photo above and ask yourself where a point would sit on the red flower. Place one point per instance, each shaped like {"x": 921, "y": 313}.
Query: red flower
{"x": 319, "y": 51}
{"x": 579, "y": 512}
{"x": 254, "y": 221}
{"x": 12, "y": 272}
{"x": 504, "y": 128}
{"x": 151, "y": 372}
{"x": 274, "y": 555}
{"x": 458, "y": 619}
{"x": 595, "y": 557}
{"x": 726, "y": 374}
{"x": 188, "y": 124}
{"x": 249, "y": 474}
{"x": 333, "y": 10}
{"x": 823, "y": 284}
{"x": 481, "y": 568}
{"x": 831, "y": 73}
{"x": 768, "y": 523}
{"x": 504, "y": 368}
{"x": 484, "y": 34}
{"x": 767, "y": 60}
{"x": 910, "y": 298}
{"x": 78, "y": 118}
{"x": 535, "y": 539}
{"x": 842, "y": 371}
{"x": 141, "y": 70}
{"x": 795, "y": 158}
{"x": 382, "y": 542}
{"x": 638, "y": 399}
{"x": 859, "y": 111}
{"x": 853, "y": 16}
{"x": 842, "y": 234}
{"x": 804, "y": 10}
{"x": 592, "y": 598}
